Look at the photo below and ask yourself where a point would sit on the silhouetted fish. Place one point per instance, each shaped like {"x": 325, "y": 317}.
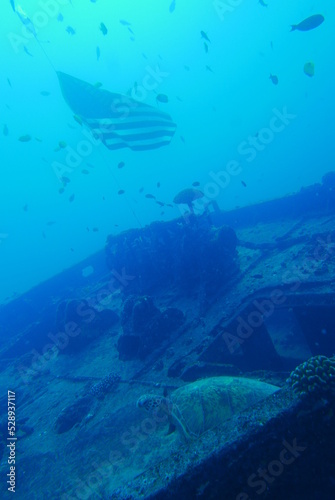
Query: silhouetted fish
{"x": 309, "y": 69}
{"x": 103, "y": 29}
{"x": 162, "y": 98}
{"x": 308, "y": 24}
{"x": 274, "y": 79}
{"x": 70, "y": 30}
{"x": 204, "y": 36}
{"x": 25, "y": 138}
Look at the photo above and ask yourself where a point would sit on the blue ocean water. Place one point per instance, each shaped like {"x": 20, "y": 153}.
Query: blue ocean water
{"x": 113, "y": 292}
{"x": 218, "y": 99}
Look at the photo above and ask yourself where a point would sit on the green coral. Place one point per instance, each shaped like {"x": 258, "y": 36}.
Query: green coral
{"x": 315, "y": 377}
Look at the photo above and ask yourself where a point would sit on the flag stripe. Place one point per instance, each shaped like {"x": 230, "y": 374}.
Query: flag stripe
{"x": 119, "y": 121}
{"x": 114, "y": 125}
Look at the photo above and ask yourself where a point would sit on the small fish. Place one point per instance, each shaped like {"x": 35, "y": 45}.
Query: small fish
{"x": 206, "y": 47}
{"x": 5, "y": 130}
{"x": 121, "y": 191}
{"x": 60, "y": 17}
{"x": 144, "y": 55}
{"x": 9, "y": 83}
{"x": 95, "y": 229}
{"x": 169, "y": 205}
{"x": 97, "y": 50}
{"x": 62, "y": 144}
{"x": 103, "y": 29}
{"x": 78, "y": 119}
{"x": 131, "y": 31}
{"x": 262, "y": 3}
{"x": 172, "y": 6}
{"x": 209, "y": 69}
{"x": 71, "y": 198}
{"x": 182, "y": 138}
{"x": 195, "y": 183}
{"x": 25, "y": 138}
{"x": 204, "y": 36}
{"x": 44, "y": 93}
{"x": 43, "y": 234}
{"x": 308, "y": 24}
{"x": 85, "y": 171}
{"x": 70, "y": 30}
{"x": 162, "y": 98}
{"x": 38, "y": 139}
{"x": 141, "y": 190}
{"x": 27, "y": 51}
{"x": 89, "y": 164}
{"x": 97, "y": 85}
{"x": 158, "y": 184}
{"x": 65, "y": 180}
{"x": 51, "y": 222}
{"x": 61, "y": 190}
{"x": 309, "y": 69}
{"x": 124, "y": 23}
{"x": 274, "y": 79}
{"x": 187, "y": 68}
{"x": 243, "y": 184}
{"x": 121, "y": 164}
{"x": 25, "y": 208}
{"x": 160, "y": 203}
{"x": 150, "y": 196}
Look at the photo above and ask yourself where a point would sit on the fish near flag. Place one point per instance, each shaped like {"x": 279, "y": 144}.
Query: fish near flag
{"x": 118, "y": 120}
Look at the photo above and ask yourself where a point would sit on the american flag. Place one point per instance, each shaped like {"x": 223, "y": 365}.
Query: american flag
{"x": 118, "y": 120}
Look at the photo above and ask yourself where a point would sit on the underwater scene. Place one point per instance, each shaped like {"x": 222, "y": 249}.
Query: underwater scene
{"x": 167, "y": 244}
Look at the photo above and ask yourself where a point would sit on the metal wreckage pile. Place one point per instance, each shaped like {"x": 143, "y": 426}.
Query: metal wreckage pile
{"x": 187, "y": 257}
